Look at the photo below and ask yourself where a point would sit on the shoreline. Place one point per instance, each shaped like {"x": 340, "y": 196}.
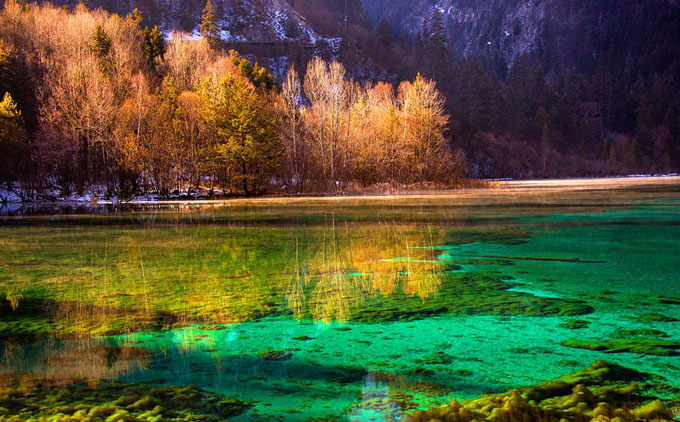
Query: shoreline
{"x": 494, "y": 187}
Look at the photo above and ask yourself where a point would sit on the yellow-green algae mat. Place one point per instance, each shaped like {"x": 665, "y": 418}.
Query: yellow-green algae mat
{"x": 603, "y": 392}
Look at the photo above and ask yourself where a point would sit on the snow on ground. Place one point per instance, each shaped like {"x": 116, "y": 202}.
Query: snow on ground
{"x": 96, "y": 195}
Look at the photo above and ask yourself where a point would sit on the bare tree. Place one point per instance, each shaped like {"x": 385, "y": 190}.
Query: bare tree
{"x": 290, "y": 125}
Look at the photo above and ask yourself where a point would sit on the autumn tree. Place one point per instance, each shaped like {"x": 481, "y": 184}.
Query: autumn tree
{"x": 296, "y": 164}
{"x": 186, "y": 60}
{"x": 329, "y": 94}
{"x": 192, "y": 149}
{"x": 424, "y": 121}
{"x": 133, "y": 125}
{"x": 160, "y": 150}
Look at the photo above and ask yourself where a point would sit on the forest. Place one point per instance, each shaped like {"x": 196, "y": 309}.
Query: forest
{"x": 96, "y": 100}
{"x": 112, "y": 102}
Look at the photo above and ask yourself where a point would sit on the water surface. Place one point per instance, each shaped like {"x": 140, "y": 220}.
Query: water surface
{"x": 355, "y": 309}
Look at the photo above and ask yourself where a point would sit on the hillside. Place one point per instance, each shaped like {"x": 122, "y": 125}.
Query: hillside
{"x": 534, "y": 87}
{"x": 568, "y": 36}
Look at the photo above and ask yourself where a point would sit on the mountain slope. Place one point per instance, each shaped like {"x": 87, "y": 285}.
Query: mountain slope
{"x": 239, "y": 20}
{"x": 567, "y": 35}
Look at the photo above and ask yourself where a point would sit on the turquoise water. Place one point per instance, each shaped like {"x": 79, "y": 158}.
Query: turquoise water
{"x": 623, "y": 262}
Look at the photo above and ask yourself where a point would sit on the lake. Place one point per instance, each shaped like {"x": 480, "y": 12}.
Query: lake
{"x": 353, "y": 309}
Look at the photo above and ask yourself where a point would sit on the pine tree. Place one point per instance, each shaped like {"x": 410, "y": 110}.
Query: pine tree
{"x": 153, "y": 42}
{"x": 420, "y": 50}
{"x": 257, "y": 75}
{"x": 11, "y": 121}
{"x": 7, "y": 72}
{"x": 247, "y": 142}
{"x": 12, "y": 137}
{"x": 384, "y": 32}
{"x": 101, "y": 47}
{"x": 292, "y": 28}
{"x": 209, "y": 29}
{"x": 436, "y": 47}
{"x": 135, "y": 17}
{"x": 154, "y": 45}
{"x": 101, "y": 42}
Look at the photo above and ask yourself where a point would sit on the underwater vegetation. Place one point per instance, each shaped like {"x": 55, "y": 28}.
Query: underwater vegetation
{"x": 467, "y": 294}
{"x": 274, "y": 355}
{"x": 398, "y": 310}
{"x": 217, "y": 281}
{"x": 115, "y": 402}
{"x": 603, "y": 392}
{"x": 643, "y": 346}
{"x": 653, "y": 317}
{"x": 574, "y": 324}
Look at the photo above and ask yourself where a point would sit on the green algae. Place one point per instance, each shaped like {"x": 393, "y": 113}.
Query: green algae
{"x": 274, "y": 355}
{"x": 467, "y": 294}
{"x": 505, "y": 235}
{"x": 574, "y": 324}
{"x": 115, "y": 402}
{"x": 541, "y": 259}
{"x": 666, "y": 300}
{"x": 654, "y": 317}
{"x": 302, "y": 338}
{"x": 218, "y": 275}
{"x": 643, "y": 346}
{"x": 458, "y": 294}
{"x": 438, "y": 358}
{"x": 602, "y": 392}
{"x": 642, "y": 332}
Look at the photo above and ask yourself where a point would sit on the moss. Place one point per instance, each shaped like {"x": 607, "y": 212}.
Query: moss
{"x": 419, "y": 371}
{"x": 602, "y": 392}
{"x": 303, "y": 338}
{"x": 466, "y": 294}
{"x": 574, "y": 324}
{"x": 643, "y": 346}
{"x": 644, "y": 332}
{"x": 653, "y": 409}
{"x": 116, "y": 402}
{"x": 652, "y": 317}
{"x": 437, "y": 358}
{"x": 274, "y": 355}
{"x": 503, "y": 235}
{"x": 145, "y": 403}
{"x": 666, "y": 300}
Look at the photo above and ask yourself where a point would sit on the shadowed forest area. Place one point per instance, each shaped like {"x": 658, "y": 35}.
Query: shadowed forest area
{"x": 549, "y": 88}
